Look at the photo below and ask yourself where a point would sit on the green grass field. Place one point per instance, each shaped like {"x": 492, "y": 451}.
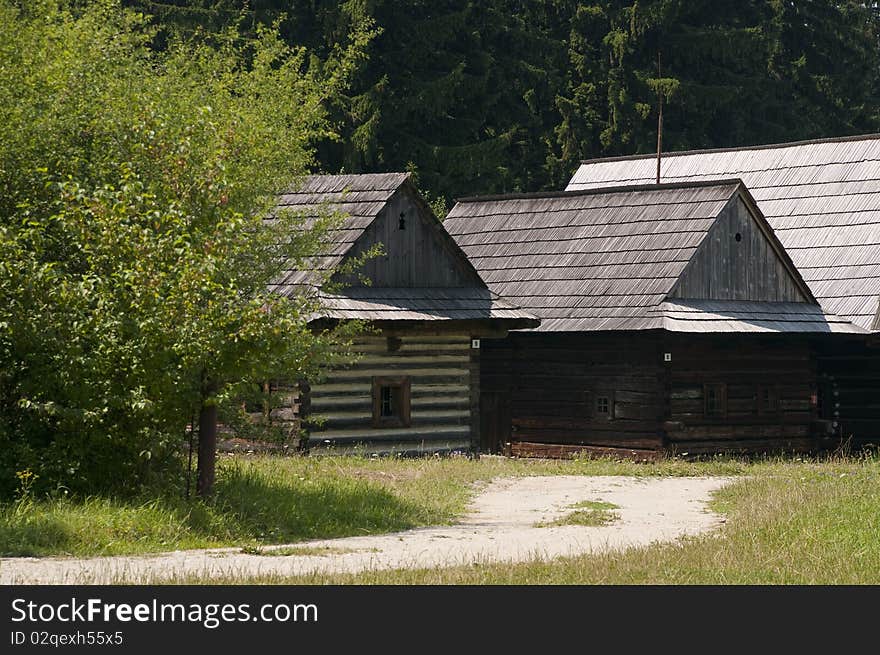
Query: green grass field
{"x": 269, "y": 500}
{"x": 788, "y": 520}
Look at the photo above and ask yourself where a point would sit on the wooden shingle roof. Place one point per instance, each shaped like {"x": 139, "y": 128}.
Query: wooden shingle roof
{"x": 361, "y": 199}
{"x": 821, "y": 197}
{"x": 421, "y": 304}
{"x": 607, "y": 259}
{"x": 743, "y": 316}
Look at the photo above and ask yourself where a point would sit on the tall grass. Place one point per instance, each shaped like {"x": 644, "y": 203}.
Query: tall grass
{"x": 788, "y": 522}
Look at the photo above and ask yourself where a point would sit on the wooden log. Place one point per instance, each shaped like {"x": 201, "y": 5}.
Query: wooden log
{"x": 593, "y": 438}
{"x": 563, "y": 451}
{"x": 750, "y": 446}
{"x": 737, "y": 432}
{"x": 617, "y": 425}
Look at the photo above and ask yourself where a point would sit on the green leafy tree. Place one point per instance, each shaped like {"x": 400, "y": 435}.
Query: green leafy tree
{"x": 135, "y": 256}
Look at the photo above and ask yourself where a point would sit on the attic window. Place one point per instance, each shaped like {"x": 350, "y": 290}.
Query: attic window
{"x": 391, "y": 402}
{"x": 401, "y": 223}
{"x": 738, "y": 237}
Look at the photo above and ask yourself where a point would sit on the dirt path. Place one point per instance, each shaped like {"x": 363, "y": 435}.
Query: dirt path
{"x": 499, "y": 527}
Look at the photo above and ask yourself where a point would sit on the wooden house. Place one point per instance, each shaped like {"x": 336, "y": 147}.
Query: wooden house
{"x": 822, "y": 199}
{"x": 672, "y": 318}
{"x": 415, "y": 388}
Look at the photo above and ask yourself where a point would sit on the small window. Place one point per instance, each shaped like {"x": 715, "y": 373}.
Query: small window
{"x": 715, "y": 398}
{"x": 826, "y": 401}
{"x": 391, "y": 402}
{"x": 768, "y": 400}
{"x": 604, "y": 406}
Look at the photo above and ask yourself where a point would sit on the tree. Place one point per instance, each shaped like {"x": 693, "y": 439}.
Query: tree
{"x": 744, "y": 72}
{"x": 135, "y": 256}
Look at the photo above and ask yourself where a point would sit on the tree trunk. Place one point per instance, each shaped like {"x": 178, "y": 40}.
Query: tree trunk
{"x": 207, "y": 443}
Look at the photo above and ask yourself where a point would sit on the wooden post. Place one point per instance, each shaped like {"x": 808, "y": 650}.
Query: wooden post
{"x": 659, "y": 122}
{"x": 207, "y": 441}
{"x": 304, "y": 393}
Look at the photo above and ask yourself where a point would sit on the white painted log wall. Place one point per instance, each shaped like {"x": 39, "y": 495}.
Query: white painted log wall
{"x": 439, "y": 372}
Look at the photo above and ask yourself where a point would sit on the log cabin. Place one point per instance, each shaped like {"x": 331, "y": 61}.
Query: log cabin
{"x": 822, "y": 198}
{"x": 672, "y": 320}
{"x": 415, "y": 387}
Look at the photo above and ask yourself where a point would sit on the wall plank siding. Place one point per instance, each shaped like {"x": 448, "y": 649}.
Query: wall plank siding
{"x": 414, "y": 256}
{"x": 440, "y": 369}
{"x": 553, "y": 381}
{"x": 851, "y": 368}
{"x": 724, "y": 268}
{"x": 744, "y": 364}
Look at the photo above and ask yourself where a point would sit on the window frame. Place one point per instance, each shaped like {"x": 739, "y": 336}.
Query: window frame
{"x": 597, "y": 398}
{"x": 774, "y": 410}
{"x": 401, "y": 387}
{"x": 721, "y": 396}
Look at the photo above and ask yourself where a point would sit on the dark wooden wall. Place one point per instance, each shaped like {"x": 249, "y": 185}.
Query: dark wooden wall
{"x": 744, "y": 363}
{"x": 724, "y": 268}
{"x": 849, "y": 371}
{"x": 539, "y": 393}
{"x": 418, "y": 255}
{"x": 548, "y": 384}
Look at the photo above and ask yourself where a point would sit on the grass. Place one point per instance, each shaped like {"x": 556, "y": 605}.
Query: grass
{"x": 274, "y": 500}
{"x": 788, "y": 522}
{"x": 792, "y": 521}
{"x": 589, "y": 513}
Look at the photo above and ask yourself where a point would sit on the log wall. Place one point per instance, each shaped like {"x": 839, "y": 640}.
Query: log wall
{"x": 745, "y": 365}
{"x": 439, "y": 370}
{"x": 849, "y": 374}
{"x": 550, "y": 383}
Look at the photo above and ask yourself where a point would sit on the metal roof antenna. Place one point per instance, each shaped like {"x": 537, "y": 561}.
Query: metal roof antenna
{"x": 659, "y": 119}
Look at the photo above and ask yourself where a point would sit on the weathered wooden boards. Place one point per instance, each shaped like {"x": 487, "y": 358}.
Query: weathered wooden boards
{"x": 849, "y": 374}
{"x": 738, "y": 261}
{"x": 440, "y": 370}
{"x": 781, "y": 366}
{"x": 554, "y": 381}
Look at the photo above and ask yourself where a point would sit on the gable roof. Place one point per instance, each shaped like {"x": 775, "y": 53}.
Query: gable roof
{"x": 361, "y": 198}
{"x": 822, "y": 198}
{"x": 602, "y": 259}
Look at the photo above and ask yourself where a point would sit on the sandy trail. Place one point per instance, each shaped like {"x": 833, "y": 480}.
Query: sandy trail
{"x": 500, "y": 526}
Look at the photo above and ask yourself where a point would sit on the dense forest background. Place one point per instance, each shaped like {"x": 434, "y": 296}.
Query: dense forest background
{"x": 508, "y": 95}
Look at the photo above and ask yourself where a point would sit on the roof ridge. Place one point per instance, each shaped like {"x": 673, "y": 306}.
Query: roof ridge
{"x": 537, "y": 195}
{"x": 761, "y": 146}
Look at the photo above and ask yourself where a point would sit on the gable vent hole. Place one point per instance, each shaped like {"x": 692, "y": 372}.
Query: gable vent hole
{"x": 738, "y": 237}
